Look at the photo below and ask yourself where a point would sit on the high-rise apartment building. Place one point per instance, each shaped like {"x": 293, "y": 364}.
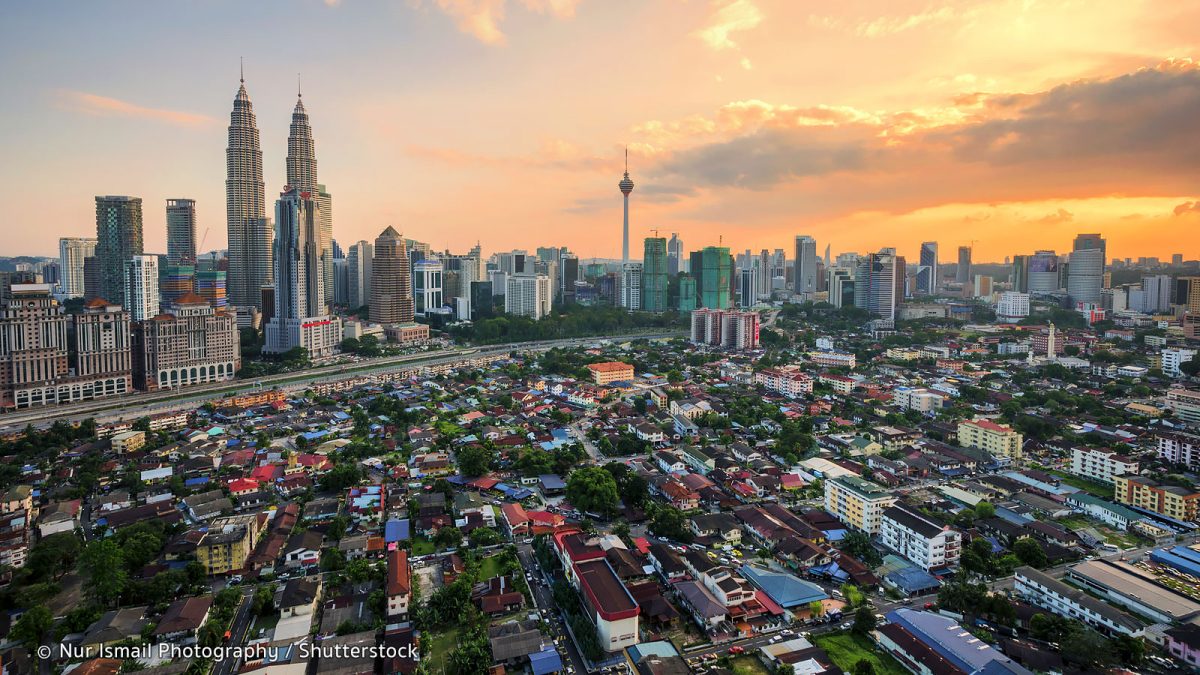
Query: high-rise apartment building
{"x": 527, "y": 295}
{"x": 927, "y": 270}
{"x": 1187, "y": 294}
{"x": 181, "y": 231}
{"x": 118, "y": 238}
{"x": 102, "y": 347}
{"x": 390, "y": 280}
{"x": 301, "y": 317}
{"x": 1043, "y": 273}
{"x": 1012, "y": 307}
{"x": 963, "y": 274}
{"x": 875, "y": 284}
{"x": 654, "y": 275}
{"x": 568, "y": 271}
{"x": 302, "y": 175}
{"x": 631, "y": 286}
{"x": 687, "y": 293}
{"x": 251, "y": 238}
{"x": 210, "y": 285}
{"x": 72, "y": 251}
{"x": 1155, "y": 296}
{"x": 1085, "y": 277}
{"x": 141, "y": 287}
{"x": 806, "y": 265}
{"x": 189, "y": 343}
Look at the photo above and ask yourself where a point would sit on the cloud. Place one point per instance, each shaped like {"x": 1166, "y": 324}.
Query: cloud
{"x": 94, "y": 104}
{"x": 563, "y": 9}
{"x": 482, "y": 18}
{"x": 1086, "y": 137}
{"x": 479, "y": 18}
{"x": 1187, "y": 208}
{"x": 1057, "y": 218}
{"x": 553, "y": 154}
{"x": 884, "y": 26}
{"x": 733, "y": 17}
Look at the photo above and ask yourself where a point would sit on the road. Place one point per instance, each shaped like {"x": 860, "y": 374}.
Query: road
{"x": 545, "y": 601}
{"x": 237, "y": 633}
{"x": 140, "y": 404}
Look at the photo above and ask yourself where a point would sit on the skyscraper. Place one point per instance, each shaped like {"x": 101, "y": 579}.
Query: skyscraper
{"x": 1085, "y": 277}
{"x": 427, "y": 286}
{"x": 118, "y": 238}
{"x": 72, "y": 251}
{"x": 674, "y": 254}
{"x": 713, "y": 271}
{"x": 626, "y": 186}
{"x": 391, "y": 281}
{"x": 1020, "y": 273}
{"x": 927, "y": 270}
{"x": 654, "y": 275}
{"x": 181, "y": 231}
{"x": 141, "y": 287}
{"x": 302, "y": 175}
{"x": 631, "y": 286}
{"x": 251, "y": 238}
{"x": 1043, "y": 272}
{"x": 358, "y": 271}
{"x": 875, "y": 283}
{"x": 301, "y": 314}
{"x": 963, "y": 275}
{"x": 528, "y": 295}
{"x": 806, "y": 265}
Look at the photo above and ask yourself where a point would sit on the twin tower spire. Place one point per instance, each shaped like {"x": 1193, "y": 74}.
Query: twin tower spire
{"x": 249, "y": 230}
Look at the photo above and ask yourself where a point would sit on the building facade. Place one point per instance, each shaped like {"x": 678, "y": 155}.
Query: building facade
{"x": 527, "y": 295}
{"x": 654, "y": 275}
{"x": 141, "y": 287}
{"x": 390, "y": 280}
{"x": 1172, "y": 501}
{"x": 989, "y": 436}
{"x": 250, "y": 236}
{"x": 301, "y": 317}
{"x": 427, "y": 286}
{"x": 857, "y": 502}
{"x": 181, "y": 231}
{"x": 929, "y": 545}
{"x": 190, "y": 343}
{"x": 1101, "y": 465}
{"x": 118, "y": 238}
{"x": 72, "y": 251}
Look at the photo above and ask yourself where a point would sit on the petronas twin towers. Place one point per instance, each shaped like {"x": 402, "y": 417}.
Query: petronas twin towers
{"x": 251, "y": 236}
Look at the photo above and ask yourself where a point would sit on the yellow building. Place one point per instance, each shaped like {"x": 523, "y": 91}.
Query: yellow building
{"x": 228, "y": 543}
{"x": 857, "y": 502}
{"x": 1170, "y": 500}
{"x": 996, "y": 439}
{"x": 128, "y": 441}
{"x": 610, "y": 371}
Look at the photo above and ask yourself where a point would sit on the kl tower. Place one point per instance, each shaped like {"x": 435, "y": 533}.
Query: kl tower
{"x": 626, "y": 186}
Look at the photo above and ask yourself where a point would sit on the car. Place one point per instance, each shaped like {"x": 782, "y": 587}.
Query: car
{"x": 929, "y": 605}
{"x": 774, "y": 639}
{"x": 847, "y": 625}
{"x": 736, "y": 649}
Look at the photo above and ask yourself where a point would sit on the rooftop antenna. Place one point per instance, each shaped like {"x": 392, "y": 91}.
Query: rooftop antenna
{"x": 242, "y": 69}
{"x": 627, "y": 159}
{"x": 298, "y": 94}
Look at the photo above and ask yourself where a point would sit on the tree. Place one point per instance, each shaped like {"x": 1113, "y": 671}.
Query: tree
{"x": 448, "y": 537}
{"x": 963, "y": 594}
{"x": 817, "y": 609}
{"x": 264, "y": 600}
{"x": 864, "y": 620}
{"x": 475, "y": 460}
{"x": 103, "y": 564}
{"x": 669, "y": 522}
{"x": 55, "y": 555}
{"x": 858, "y": 544}
{"x": 1029, "y": 553}
{"x": 984, "y": 510}
{"x": 32, "y": 627}
{"x": 484, "y": 536}
{"x": 593, "y": 490}
{"x": 1190, "y": 367}
{"x": 864, "y": 667}
{"x": 342, "y": 476}
{"x": 635, "y": 491}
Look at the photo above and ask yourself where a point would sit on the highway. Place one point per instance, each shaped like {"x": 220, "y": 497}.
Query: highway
{"x": 140, "y": 404}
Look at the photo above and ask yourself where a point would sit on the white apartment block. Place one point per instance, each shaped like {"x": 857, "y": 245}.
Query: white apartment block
{"x": 1012, "y": 306}
{"x": 921, "y": 400}
{"x": 141, "y": 287}
{"x": 1041, "y": 590}
{"x": 1173, "y": 358}
{"x": 919, "y": 539}
{"x": 1185, "y": 403}
{"x": 1101, "y": 465}
{"x": 528, "y": 295}
{"x": 1180, "y": 448}
{"x": 832, "y": 359}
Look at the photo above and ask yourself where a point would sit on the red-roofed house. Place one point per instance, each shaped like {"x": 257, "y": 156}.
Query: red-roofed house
{"x": 242, "y": 486}
{"x": 399, "y": 583}
{"x": 516, "y": 519}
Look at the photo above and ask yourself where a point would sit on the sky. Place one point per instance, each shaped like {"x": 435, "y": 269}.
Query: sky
{"x": 1006, "y": 125}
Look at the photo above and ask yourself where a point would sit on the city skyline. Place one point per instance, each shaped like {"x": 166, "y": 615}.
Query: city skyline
{"x": 988, "y": 147}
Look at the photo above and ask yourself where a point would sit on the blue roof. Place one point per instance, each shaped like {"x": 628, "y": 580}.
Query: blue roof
{"x": 201, "y": 480}
{"x": 545, "y": 661}
{"x": 912, "y": 580}
{"x": 785, "y": 589}
{"x": 946, "y": 637}
{"x": 1181, "y": 558}
{"x": 395, "y": 530}
{"x": 341, "y": 416}
{"x": 314, "y": 435}
{"x": 550, "y": 481}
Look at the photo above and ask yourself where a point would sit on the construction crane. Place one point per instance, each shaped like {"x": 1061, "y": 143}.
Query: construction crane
{"x": 200, "y": 246}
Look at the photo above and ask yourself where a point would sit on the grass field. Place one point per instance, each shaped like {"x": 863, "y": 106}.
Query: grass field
{"x": 1090, "y": 487}
{"x": 422, "y": 546}
{"x": 749, "y": 665}
{"x": 489, "y": 567}
{"x": 440, "y": 646}
{"x": 847, "y": 649}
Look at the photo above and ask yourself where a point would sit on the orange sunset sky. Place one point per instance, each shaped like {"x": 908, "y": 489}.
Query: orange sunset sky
{"x": 1014, "y": 124}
